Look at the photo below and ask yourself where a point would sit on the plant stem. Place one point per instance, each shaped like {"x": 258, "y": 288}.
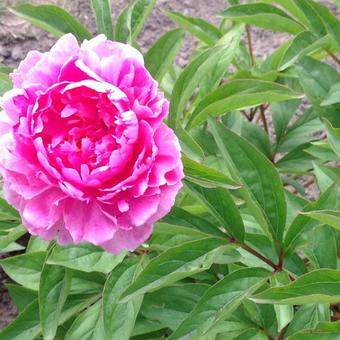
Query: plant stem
{"x": 277, "y": 267}
{"x": 333, "y": 56}
{"x": 250, "y": 45}
{"x": 263, "y": 117}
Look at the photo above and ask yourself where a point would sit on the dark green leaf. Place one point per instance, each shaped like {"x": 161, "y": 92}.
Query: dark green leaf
{"x": 21, "y": 296}
{"x": 257, "y": 173}
{"x": 170, "y": 305}
{"x": 221, "y": 204}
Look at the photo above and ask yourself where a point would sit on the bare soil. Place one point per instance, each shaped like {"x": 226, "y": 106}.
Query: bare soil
{"x": 18, "y": 37}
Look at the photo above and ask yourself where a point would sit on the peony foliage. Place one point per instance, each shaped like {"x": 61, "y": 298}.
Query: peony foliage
{"x": 196, "y": 202}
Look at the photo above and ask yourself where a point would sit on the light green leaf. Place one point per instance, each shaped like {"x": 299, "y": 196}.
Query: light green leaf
{"x": 221, "y": 204}
{"x": 85, "y": 257}
{"x": 88, "y": 325}
{"x": 12, "y": 235}
{"x": 316, "y": 79}
{"x": 5, "y": 83}
{"x": 188, "y": 81}
{"x": 305, "y": 43}
{"x": 330, "y": 217}
{"x": 175, "y": 264}
{"x": 318, "y": 286}
{"x": 102, "y": 11}
{"x": 284, "y": 314}
{"x": 37, "y": 244}
{"x": 25, "y": 326}
{"x": 53, "y": 19}
{"x": 297, "y": 231}
{"x": 161, "y": 55}
{"x": 333, "y": 96}
{"x": 198, "y": 27}
{"x": 237, "y": 95}
{"x": 205, "y": 176}
{"x": 25, "y": 269}
{"x": 322, "y": 249}
{"x": 119, "y": 318}
{"x": 263, "y": 15}
{"x": 54, "y": 287}
{"x": 131, "y": 20}
{"x": 189, "y": 145}
{"x": 257, "y": 173}
{"x": 220, "y": 301}
{"x": 307, "y": 317}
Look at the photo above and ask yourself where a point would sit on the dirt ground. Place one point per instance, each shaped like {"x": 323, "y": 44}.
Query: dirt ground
{"x": 17, "y": 38}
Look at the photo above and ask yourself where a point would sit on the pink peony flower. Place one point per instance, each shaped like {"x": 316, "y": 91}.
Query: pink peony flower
{"x": 84, "y": 152}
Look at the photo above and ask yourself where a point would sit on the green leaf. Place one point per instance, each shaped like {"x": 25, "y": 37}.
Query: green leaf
{"x": 333, "y": 135}
{"x": 189, "y": 145}
{"x": 119, "y": 318}
{"x": 37, "y": 244}
{"x": 220, "y": 301}
{"x": 205, "y": 176}
{"x": 5, "y": 83}
{"x": 88, "y": 325}
{"x": 307, "y": 317}
{"x": 237, "y": 95}
{"x": 297, "y": 231}
{"x": 85, "y": 257}
{"x": 221, "y": 204}
{"x": 318, "y": 286}
{"x": 198, "y": 27}
{"x": 330, "y": 217}
{"x": 54, "y": 286}
{"x": 257, "y": 173}
{"x": 322, "y": 249}
{"x": 284, "y": 314}
{"x": 316, "y": 79}
{"x": 53, "y": 19}
{"x": 25, "y": 269}
{"x": 305, "y": 43}
{"x": 161, "y": 55}
{"x": 102, "y": 11}
{"x": 189, "y": 79}
{"x": 130, "y": 22}
{"x": 315, "y": 22}
{"x": 21, "y": 296}
{"x": 263, "y": 15}
{"x": 293, "y": 7}
{"x": 26, "y": 326}
{"x": 11, "y": 236}
{"x": 333, "y": 96}
{"x": 330, "y": 21}
{"x": 170, "y": 305}
{"x": 175, "y": 264}
{"x": 181, "y": 217}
